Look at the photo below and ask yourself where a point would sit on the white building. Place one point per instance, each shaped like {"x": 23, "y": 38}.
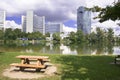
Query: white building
{"x": 23, "y": 23}
{"x": 2, "y": 20}
{"x": 33, "y": 23}
{"x": 29, "y": 21}
{"x": 53, "y": 28}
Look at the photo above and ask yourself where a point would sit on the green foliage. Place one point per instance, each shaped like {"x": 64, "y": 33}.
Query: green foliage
{"x": 72, "y": 37}
{"x": 56, "y": 37}
{"x": 80, "y": 37}
{"x": 9, "y": 34}
{"x": 110, "y": 12}
{"x": 1, "y": 34}
{"x": 101, "y": 37}
{"x": 110, "y": 35}
{"x": 47, "y": 34}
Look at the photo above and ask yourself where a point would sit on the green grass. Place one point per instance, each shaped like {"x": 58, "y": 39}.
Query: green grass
{"x": 71, "y": 67}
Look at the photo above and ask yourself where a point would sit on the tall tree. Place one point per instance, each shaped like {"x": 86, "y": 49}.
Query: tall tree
{"x": 1, "y": 34}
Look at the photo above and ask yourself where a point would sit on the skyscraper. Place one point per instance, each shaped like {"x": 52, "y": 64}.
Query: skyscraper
{"x": 53, "y": 28}
{"x": 29, "y": 21}
{"x": 83, "y": 20}
{"x": 39, "y": 24}
{"x": 2, "y": 20}
{"x": 23, "y": 23}
{"x": 33, "y": 23}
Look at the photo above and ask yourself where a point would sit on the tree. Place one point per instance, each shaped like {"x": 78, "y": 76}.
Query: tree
{"x": 80, "y": 36}
{"x": 92, "y": 37}
{"x": 47, "y": 34}
{"x": 110, "y": 12}
{"x": 17, "y": 33}
{"x": 1, "y": 34}
{"x": 56, "y": 37}
{"x": 9, "y": 34}
{"x": 100, "y": 35}
{"x": 110, "y": 35}
{"x": 72, "y": 37}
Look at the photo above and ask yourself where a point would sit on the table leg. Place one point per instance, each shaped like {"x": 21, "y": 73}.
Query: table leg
{"x": 22, "y": 68}
{"x": 27, "y": 61}
{"x": 40, "y": 62}
{"x": 22, "y": 61}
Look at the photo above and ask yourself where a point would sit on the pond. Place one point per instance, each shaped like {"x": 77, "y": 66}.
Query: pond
{"x": 49, "y": 48}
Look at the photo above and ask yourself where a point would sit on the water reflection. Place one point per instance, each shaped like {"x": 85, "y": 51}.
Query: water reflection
{"x": 72, "y": 49}
{"x": 66, "y": 50}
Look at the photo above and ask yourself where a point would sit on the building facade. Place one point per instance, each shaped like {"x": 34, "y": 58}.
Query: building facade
{"x": 83, "y": 20}
{"x": 53, "y": 28}
{"x": 23, "y": 22}
{"x": 39, "y": 24}
{"x": 33, "y": 23}
{"x": 2, "y": 20}
{"x": 29, "y": 21}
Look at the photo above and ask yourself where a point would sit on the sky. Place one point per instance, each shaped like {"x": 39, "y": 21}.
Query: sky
{"x": 63, "y": 11}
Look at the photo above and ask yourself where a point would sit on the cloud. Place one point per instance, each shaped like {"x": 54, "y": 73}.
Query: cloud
{"x": 53, "y": 10}
{"x": 12, "y": 24}
{"x": 101, "y": 3}
{"x": 68, "y": 29}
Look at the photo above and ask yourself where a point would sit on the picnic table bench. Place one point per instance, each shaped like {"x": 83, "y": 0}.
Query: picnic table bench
{"x": 117, "y": 59}
{"x": 35, "y": 62}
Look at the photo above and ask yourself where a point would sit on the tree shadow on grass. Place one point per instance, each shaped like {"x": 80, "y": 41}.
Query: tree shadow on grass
{"x": 88, "y": 68}
{"x": 1, "y": 53}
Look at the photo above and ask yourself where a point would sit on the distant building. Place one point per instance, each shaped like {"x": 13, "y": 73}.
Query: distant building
{"x": 29, "y": 21}
{"x": 2, "y": 20}
{"x": 39, "y": 24}
{"x": 23, "y": 23}
{"x": 53, "y": 28}
{"x": 33, "y": 23}
{"x": 83, "y": 20}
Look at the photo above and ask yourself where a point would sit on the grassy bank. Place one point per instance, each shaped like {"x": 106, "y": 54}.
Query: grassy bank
{"x": 71, "y": 67}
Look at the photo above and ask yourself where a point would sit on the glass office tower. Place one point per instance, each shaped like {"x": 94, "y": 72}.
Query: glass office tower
{"x": 53, "y": 28}
{"x": 84, "y": 20}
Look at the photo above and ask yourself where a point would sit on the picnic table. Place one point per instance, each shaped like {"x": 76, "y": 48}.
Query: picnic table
{"x": 35, "y": 62}
{"x": 117, "y": 59}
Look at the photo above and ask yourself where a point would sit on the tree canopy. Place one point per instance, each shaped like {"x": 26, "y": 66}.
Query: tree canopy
{"x": 110, "y": 12}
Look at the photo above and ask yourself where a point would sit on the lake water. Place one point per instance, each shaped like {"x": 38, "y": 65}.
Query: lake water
{"x": 60, "y": 49}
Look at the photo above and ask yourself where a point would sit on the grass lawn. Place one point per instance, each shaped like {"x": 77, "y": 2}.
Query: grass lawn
{"x": 71, "y": 67}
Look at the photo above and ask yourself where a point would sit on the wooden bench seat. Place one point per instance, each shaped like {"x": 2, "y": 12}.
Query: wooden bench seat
{"x": 28, "y": 65}
{"x": 117, "y": 58}
{"x": 44, "y": 60}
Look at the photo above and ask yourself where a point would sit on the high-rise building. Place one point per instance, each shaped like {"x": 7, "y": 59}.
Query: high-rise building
{"x": 33, "y": 23}
{"x": 53, "y": 28}
{"x": 39, "y": 24}
{"x": 2, "y": 20}
{"x": 83, "y": 20}
{"x": 29, "y": 21}
{"x": 23, "y": 23}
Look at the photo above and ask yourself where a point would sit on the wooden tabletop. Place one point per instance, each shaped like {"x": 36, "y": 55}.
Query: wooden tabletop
{"x": 32, "y": 57}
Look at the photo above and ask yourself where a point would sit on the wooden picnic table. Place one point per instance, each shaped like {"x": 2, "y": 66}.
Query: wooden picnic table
{"x": 27, "y": 62}
{"x": 117, "y": 58}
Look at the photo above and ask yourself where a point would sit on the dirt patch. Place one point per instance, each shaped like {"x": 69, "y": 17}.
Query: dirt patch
{"x": 14, "y": 72}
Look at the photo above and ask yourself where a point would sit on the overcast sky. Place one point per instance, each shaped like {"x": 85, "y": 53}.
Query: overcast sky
{"x": 54, "y": 10}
